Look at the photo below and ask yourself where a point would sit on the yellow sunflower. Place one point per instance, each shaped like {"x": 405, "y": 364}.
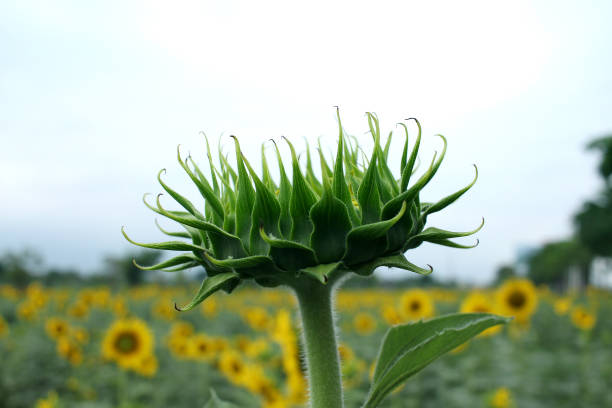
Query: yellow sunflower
{"x": 478, "y": 302}
{"x": 147, "y": 366}
{"x": 201, "y": 347}
{"x": 390, "y": 314}
{"x": 4, "y": 328}
{"x": 518, "y": 298}
{"x": 56, "y": 327}
{"x": 233, "y": 366}
{"x": 562, "y": 305}
{"x": 364, "y": 323}
{"x": 127, "y": 342}
{"x": 501, "y": 398}
{"x": 68, "y": 349}
{"x": 582, "y": 318}
{"x": 416, "y": 304}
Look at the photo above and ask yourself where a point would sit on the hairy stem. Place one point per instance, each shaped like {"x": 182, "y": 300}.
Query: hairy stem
{"x": 324, "y": 378}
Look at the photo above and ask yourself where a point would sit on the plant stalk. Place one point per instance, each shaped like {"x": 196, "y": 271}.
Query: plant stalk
{"x": 322, "y": 358}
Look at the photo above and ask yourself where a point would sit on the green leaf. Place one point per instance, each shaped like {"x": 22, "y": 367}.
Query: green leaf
{"x": 339, "y": 186}
{"x": 368, "y": 195}
{"x": 408, "y": 348}
{"x": 433, "y": 234}
{"x": 179, "y": 234}
{"x": 245, "y": 197}
{"x": 169, "y": 245}
{"x": 177, "y": 260}
{"x": 210, "y": 285}
{"x": 215, "y": 402}
{"x": 266, "y": 213}
{"x": 321, "y": 272}
{"x": 184, "y": 202}
{"x": 256, "y": 266}
{"x": 203, "y": 187}
{"x": 408, "y": 166}
{"x": 446, "y": 201}
{"x": 284, "y": 196}
{"x": 302, "y": 199}
{"x": 224, "y": 244}
{"x": 369, "y": 241}
{"x": 289, "y": 255}
{"x": 331, "y": 225}
{"x": 393, "y": 261}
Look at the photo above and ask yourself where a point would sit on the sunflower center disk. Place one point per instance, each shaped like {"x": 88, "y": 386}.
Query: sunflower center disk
{"x": 517, "y": 300}
{"x": 126, "y": 343}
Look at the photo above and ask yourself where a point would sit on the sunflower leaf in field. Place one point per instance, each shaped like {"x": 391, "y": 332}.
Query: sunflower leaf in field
{"x": 339, "y": 186}
{"x": 176, "y": 261}
{"x": 331, "y": 224}
{"x": 210, "y": 285}
{"x": 256, "y": 266}
{"x": 406, "y": 349}
{"x": 321, "y": 272}
{"x": 446, "y": 201}
{"x": 245, "y": 197}
{"x": 284, "y": 196}
{"x": 302, "y": 199}
{"x": 216, "y": 402}
{"x": 168, "y": 245}
{"x": 369, "y": 241}
{"x": 289, "y": 255}
{"x": 393, "y": 261}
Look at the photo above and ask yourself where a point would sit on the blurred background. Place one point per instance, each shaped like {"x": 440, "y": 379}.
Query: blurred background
{"x": 95, "y": 98}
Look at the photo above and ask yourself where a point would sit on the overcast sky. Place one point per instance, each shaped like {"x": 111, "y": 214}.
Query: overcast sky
{"x": 95, "y": 98}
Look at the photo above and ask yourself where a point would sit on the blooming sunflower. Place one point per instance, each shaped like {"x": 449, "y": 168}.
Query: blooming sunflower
{"x": 501, "y": 398}
{"x": 416, "y": 304}
{"x": 127, "y": 342}
{"x": 364, "y": 323}
{"x": 4, "y": 328}
{"x": 517, "y": 298}
{"x": 147, "y": 366}
{"x": 233, "y": 366}
{"x": 582, "y": 318}
{"x": 478, "y": 302}
{"x": 562, "y": 305}
{"x": 56, "y": 327}
{"x": 201, "y": 347}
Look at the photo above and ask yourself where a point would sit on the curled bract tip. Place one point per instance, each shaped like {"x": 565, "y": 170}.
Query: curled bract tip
{"x": 178, "y": 309}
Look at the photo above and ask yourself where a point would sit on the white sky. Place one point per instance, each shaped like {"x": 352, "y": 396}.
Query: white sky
{"x": 94, "y": 100}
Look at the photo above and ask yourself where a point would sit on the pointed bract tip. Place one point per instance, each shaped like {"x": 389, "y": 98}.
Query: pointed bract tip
{"x": 177, "y": 308}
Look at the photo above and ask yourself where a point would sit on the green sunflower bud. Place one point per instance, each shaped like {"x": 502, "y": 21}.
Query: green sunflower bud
{"x": 356, "y": 216}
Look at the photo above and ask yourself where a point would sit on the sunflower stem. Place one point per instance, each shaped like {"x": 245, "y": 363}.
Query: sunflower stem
{"x": 321, "y": 350}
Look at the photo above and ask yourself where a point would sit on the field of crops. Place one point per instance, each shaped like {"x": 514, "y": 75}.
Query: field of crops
{"x": 92, "y": 347}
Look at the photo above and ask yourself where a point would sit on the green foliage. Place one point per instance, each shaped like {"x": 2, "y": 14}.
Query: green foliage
{"x": 215, "y": 401}
{"x": 594, "y": 225}
{"x": 552, "y": 263}
{"x": 407, "y": 349}
{"x": 19, "y": 268}
{"x": 353, "y": 217}
{"x": 594, "y": 220}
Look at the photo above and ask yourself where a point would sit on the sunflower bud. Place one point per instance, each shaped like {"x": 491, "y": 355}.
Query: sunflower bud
{"x": 354, "y": 217}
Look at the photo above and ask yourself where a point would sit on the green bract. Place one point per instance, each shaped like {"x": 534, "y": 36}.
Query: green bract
{"x": 356, "y": 216}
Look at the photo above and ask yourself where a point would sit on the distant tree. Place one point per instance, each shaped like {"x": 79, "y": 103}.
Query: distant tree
{"x": 123, "y": 266}
{"x": 19, "y": 268}
{"x": 594, "y": 221}
{"x": 604, "y": 145}
{"x": 552, "y": 263}
{"x": 504, "y": 272}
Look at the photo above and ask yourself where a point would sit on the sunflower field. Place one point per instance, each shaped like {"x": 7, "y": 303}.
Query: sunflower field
{"x": 92, "y": 347}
